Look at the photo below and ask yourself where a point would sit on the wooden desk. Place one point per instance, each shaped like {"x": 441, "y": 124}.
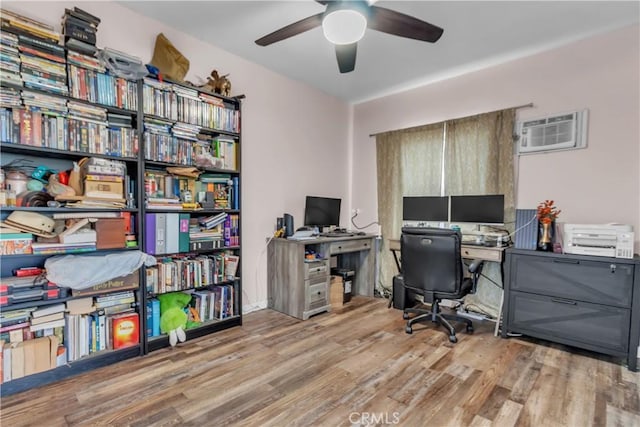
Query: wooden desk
{"x": 299, "y": 287}
{"x": 484, "y": 253}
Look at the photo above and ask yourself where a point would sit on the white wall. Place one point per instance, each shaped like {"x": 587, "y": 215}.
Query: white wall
{"x": 292, "y": 134}
{"x": 599, "y": 184}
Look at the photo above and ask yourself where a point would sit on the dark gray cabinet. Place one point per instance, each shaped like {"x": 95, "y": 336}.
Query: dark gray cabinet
{"x": 583, "y": 301}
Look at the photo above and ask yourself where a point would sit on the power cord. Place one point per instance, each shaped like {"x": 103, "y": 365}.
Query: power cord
{"x": 362, "y": 228}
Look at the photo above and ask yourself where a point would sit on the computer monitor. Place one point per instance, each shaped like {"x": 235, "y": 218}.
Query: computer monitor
{"x": 486, "y": 209}
{"x": 322, "y": 212}
{"x": 425, "y": 208}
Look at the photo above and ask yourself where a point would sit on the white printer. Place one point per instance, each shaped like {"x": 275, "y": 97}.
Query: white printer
{"x": 611, "y": 240}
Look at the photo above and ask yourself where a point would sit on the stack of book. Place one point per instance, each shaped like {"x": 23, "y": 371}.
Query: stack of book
{"x": 19, "y": 24}
{"x": 209, "y": 222}
{"x": 79, "y": 28}
{"x": 42, "y": 64}
{"x": 10, "y": 64}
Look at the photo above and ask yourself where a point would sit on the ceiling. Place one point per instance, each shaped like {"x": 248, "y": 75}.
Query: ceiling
{"x": 477, "y": 34}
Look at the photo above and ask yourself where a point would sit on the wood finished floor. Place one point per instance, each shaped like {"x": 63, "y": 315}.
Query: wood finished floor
{"x": 355, "y": 366}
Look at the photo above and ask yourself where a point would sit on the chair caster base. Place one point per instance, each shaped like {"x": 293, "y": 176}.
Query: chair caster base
{"x": 405, "y": 316}
{"x": 469, "y": 329}
{"x": 408, "y": 330}
{"x": 453, "y": 339}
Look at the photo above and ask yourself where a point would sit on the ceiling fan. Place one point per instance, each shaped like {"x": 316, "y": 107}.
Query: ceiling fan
{"x": 344, "y": 23}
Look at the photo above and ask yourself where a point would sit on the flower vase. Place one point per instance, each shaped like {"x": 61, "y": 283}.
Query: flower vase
{"x": 545, "y": 236}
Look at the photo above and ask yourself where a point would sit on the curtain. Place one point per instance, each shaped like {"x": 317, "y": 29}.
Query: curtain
{"x": 479, "y": 157}
{"x": 409, "y": 162}
{"x": 479, "y": 160}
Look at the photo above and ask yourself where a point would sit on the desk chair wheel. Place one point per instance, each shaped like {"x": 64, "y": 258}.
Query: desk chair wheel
{"x": 453, "y": 339}
{"x": 405, "y": 315}
{"x": 408, "y": 330}
{"x": 470, "y": 329}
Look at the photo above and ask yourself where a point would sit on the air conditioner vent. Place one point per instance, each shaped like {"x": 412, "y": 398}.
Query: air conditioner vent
{"x": 559, "y": 132}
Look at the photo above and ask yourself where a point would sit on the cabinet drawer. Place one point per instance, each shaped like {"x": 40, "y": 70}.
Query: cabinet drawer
{"x": 316, "y": 294}
{"x": 481, "y": 253}
{"x": 598, "y": 282}
{"x": 349, "y": 246}
{"x": 594, "y": 327}
{"x": 316, "y": 269}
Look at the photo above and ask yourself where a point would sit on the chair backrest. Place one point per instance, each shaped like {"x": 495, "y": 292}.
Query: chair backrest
{"x": 431, "y": 260}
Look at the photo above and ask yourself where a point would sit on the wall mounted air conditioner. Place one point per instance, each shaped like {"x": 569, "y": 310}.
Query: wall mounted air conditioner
{"x": 558, "y": 132}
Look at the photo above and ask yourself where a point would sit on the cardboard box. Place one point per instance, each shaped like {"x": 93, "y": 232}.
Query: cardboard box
{"x": 110, "y": 233}
{"x": 336, "y": 293}
{"x": 103, "y": 189}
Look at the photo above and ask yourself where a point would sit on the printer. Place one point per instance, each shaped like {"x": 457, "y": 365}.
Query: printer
{"x": 610, "y": 240}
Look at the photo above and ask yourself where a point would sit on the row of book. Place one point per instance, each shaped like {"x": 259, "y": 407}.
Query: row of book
{"x": 76, "y": 132}
{"x": 188, "y": 105}
{"x": 90, "y": 83}
{"x": 177, "y": 273}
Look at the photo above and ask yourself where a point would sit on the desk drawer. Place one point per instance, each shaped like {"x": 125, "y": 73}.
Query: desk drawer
{"x": 598, "y": 282}
{"x": 316, "y": 269}
{"x": 316, "y": 294}
{"x": 581, "y": 324}
{"x": 346, "y": 246}
{"x": 481, "y": 253}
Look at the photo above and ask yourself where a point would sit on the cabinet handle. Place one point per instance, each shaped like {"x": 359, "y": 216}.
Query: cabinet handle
{"x": 563, "y": 301}
{"x": 566, "y": 261}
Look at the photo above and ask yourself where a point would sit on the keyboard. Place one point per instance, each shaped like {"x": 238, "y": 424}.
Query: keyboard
{"x": 337, "y": 234}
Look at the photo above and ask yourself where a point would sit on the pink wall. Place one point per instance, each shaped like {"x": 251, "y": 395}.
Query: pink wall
{"x": 599, "y": 184}
{"x": 292, "y": 134}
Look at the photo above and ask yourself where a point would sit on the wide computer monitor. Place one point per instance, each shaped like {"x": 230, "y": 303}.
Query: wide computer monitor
{"x": 322, "y": 212}
{"x": 425, "y": 208}
{"x": 486, "y": 209}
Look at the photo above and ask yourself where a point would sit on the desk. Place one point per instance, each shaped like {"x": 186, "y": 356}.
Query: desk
{"x": 484, "y": 253}
{"x": 300, "y": 288}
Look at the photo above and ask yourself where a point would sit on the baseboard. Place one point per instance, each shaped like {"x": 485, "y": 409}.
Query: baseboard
{"x": 260, "y": 305}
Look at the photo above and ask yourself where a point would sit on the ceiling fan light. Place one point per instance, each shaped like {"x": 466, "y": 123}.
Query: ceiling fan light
{"x": 344, "y": 26}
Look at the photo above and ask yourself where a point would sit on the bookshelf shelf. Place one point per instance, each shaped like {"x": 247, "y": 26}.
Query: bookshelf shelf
{"x": 9, "y": 147}
{"x": 63, "y": 210}
{"x": 156, "y": 164}
{"x": 76, "y": 367}
{"x": 162, "y": 341}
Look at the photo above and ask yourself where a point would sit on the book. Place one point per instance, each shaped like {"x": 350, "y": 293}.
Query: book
{"x": 47, "y": 325}
{"x": 125, "y": 330}
{"x": 47, "y": 318}
{"x": 48, "y": 309}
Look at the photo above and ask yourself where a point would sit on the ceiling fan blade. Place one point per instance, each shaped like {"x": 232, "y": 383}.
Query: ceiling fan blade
{"x": 291, "y": 30}
{"x": 399, "y": 24}
{"x": 346, "y": 54}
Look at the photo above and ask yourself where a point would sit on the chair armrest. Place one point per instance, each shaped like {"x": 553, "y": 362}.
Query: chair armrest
{"x": 475, "y": 268}
{"x": 476, "y": 265}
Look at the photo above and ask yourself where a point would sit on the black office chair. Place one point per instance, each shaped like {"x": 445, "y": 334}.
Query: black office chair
{"x": 432, "y": 267}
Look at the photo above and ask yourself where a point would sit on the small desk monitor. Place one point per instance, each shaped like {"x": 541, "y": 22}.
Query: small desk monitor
{"x": 486, "y": 209}
{"x": 322, "y": 212}
{"x": 425, "y": 208}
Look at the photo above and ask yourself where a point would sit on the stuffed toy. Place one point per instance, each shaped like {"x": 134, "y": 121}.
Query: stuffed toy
{"x": 173, "y": 318}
